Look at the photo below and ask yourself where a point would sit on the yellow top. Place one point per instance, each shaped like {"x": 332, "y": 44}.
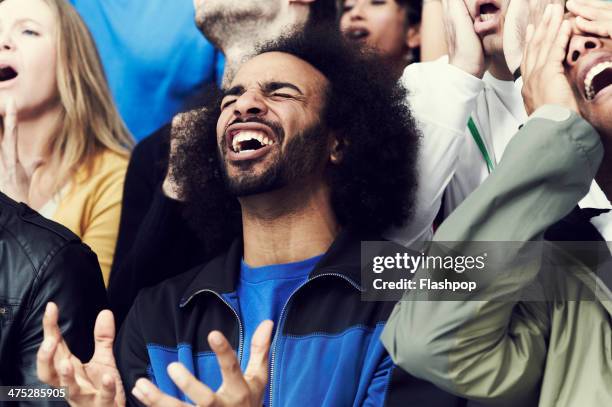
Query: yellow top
{"x": 91, "y": 207}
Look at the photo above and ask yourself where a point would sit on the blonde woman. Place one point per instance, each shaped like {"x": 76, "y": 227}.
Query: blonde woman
{"x": 64, "y": 147}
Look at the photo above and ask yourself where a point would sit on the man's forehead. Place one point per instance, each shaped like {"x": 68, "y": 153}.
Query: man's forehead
{"x": 279, "y": 67}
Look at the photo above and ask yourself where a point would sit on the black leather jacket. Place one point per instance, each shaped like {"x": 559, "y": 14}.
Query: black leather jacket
{"x": 42, "y": 261}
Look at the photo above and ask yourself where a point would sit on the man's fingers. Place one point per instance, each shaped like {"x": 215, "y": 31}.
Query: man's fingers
{"x": 149, "y": 395}
{"x": 104, "y": 335}
{"x": 45, "y": 368}
{"x": 108, "y": 390}
{"x": 536, "y": 36}
{"x": 256, "y": 373}
{"x": 50, "y": 328}
{"x": 67, "y": 379}
{"x": 558, "y": 51}
{"x": 197, "y": 391}
{"x": 529, "y": 32}
{"x": 233, "y": 381}
{"x": 591, "y": 9}
{"x": 600, "y": 28}
{"x": 551, "y": 29}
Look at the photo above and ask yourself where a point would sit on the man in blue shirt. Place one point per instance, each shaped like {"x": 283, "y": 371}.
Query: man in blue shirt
{"x": 314, "y": 152}
{"x": 151, "y": 221}
{"x": 154, "y": 57}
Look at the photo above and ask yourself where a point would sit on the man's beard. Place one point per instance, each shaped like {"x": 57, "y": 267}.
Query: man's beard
{"x": 302, "y": 157}
{"x": 235, "y": 21}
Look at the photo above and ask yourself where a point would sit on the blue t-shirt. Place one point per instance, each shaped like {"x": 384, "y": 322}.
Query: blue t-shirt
{"x": 262, "y": 294}
{"x": 154, "y": 57}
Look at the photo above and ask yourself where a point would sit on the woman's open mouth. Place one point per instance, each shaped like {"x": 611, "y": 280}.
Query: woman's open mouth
{"x": 7, "y": 73}
{"x": 356, "y": 34}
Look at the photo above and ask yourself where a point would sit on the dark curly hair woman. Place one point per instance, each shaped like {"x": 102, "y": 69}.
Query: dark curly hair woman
{"x": 372, "y": 185}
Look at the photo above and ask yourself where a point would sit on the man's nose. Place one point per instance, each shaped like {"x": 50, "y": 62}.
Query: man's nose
{"x": 579, "y": 46}
{"x": 250, "y": 103}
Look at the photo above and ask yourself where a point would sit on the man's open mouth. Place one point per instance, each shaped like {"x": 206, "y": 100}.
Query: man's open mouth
{"x": 7, "y": 73}
{"x": 249, "y": 140}
{"x": 487, "y": 11}
{"x": 597, "y": 79}
{"x": 487, "y": 17}
{"x": 356, "y": 34}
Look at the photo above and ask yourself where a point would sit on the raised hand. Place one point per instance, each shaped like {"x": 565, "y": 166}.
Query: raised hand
{"x": 542, "y": 67}
{"x": 96, "y": 383}
{"x": 592, "y": 16}
{"x": 15, "y": 179}
{"x": 520, "y": 13}
{"x": 465, "y": 49}
{"x": 237, "y": 389}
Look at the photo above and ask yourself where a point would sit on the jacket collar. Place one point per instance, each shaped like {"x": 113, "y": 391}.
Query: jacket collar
{"x": 222, "y": 273}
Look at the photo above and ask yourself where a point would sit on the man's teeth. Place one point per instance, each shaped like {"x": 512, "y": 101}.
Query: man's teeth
{"x": 244, "y": 136}
{"x": 487, "y": 17}
{"x": 589, "y": 91}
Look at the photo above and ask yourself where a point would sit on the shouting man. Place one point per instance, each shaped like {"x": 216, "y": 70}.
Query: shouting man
{"x": 314, "y": 152}
{"x": 155, "y": 243}
{"x": 494, "y": 346}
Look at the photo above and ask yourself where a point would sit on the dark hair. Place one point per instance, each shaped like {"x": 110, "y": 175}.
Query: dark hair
{"x": 414, "y": 12}
{"x": 373, "y": 186}
{"x": 322, "y": 13}
{"x": 413, "y": 9}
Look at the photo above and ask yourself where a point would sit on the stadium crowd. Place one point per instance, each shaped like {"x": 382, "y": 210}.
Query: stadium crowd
{"x": 186, "y": 189}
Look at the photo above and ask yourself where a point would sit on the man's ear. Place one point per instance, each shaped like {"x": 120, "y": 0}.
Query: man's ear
{"x": 337, "y": 150}
{"x": 413, "y": 36}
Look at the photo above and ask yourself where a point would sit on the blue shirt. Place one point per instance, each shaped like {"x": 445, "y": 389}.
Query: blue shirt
{"x": 154, "y": 57}
{"x": 264, "y": 291}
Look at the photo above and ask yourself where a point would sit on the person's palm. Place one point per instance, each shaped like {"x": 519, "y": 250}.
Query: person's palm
{"x": 515, "y": 25}
{"x": 96, "y": 383}
{"x": 15, "y": 178}
{"x": 90, "y": 377}
{"x": 465, "y": 49}
{"x": 520, "y": 13}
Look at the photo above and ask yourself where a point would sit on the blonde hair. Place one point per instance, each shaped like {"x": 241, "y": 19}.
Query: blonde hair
{"x": 90, "y": 122}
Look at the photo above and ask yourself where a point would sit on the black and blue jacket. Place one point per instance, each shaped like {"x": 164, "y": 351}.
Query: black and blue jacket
{"x": 325, "y": 352}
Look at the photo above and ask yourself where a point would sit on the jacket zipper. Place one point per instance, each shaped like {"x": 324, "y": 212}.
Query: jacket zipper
{"x": 240, "y": 331}
{"x": 282, "y": 317}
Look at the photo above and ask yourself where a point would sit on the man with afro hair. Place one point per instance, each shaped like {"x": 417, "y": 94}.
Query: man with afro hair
{"x": 307, "y": 152}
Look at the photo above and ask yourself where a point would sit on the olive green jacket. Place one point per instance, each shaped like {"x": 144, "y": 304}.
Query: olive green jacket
{"x": 549, "y": 353}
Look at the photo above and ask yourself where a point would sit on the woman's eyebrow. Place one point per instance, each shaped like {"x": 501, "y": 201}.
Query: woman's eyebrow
{"x": 27, "y": 20}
